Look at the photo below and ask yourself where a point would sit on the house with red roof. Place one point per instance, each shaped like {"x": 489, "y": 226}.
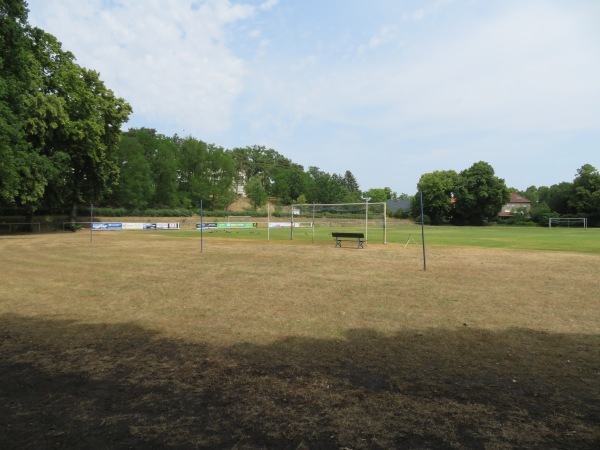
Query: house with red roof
{"x": 515, "y": 204}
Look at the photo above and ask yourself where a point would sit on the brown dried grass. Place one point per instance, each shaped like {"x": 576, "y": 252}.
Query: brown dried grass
{"x": 142, "y": 340}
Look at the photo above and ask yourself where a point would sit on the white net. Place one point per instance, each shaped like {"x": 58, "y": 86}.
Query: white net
{"x": 367, "y": 218}
{"x": 568, "y": 222}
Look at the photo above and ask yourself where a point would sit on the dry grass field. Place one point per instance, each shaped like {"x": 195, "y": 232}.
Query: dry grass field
{"x": 142, "y": 341}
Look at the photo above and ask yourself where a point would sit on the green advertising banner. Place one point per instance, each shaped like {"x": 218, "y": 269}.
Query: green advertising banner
{"x": 227, "y": 225}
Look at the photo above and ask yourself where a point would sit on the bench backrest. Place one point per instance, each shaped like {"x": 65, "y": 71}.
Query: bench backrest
{"x": 348, "y": 235}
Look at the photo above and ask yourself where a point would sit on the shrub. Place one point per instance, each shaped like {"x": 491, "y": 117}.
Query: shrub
{"x": 426, "y": 219}
{"x": 72, "y": 227}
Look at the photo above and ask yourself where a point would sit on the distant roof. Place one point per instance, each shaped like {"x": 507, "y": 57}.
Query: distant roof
{"x": 395, "y": 205}
{"x": 517, "y": 198}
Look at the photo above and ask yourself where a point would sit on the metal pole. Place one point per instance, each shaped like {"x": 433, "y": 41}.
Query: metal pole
{"x": 385, "y": 223}
{"x": 366, "y": 199}
{"x": 367, "y": 220}
{"x": 201, "y": 228}
{"x": 268, "y": 221}
{"x": 91, "y": 221}
{"x": 423, "y": 234}
{"x": 292, "y": 224}
{"x": 313, "y": 225}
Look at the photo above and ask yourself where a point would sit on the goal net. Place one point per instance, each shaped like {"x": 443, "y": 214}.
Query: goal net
{"x": 568, "y": 222}
{"x": 367, "y": 218}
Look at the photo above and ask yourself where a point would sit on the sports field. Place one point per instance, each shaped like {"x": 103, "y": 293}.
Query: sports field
{"x": 140, "y": 340}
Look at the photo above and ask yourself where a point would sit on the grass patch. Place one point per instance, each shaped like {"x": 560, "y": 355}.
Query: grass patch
{"x": 140, "y": 340}
{"x": 576, "y": 240}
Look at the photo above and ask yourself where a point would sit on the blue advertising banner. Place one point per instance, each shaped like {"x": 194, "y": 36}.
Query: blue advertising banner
{"x": 206, "y": 225}
{"x": 107, "y": 226}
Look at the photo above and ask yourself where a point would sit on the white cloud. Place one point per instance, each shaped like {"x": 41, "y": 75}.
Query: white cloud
{"x": 268, "y": 4}
{"x": 426, "y": 11}
{"x": 529, "y": 69}
{"x": 169, "y": 59}
{"x": 383, "y": 36}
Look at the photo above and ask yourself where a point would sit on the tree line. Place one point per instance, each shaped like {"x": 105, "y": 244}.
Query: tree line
{"x": 578, "y": 198}
{"x": 157, "y": 171}
{"x": 476, "y": 195}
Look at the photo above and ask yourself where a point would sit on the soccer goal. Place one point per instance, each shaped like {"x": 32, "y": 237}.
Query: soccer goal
{"x": 365, "y": 217}
{"x": 569, "y": 222}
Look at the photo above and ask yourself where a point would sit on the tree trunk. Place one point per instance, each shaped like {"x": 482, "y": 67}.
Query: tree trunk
{"x": 29, "y": 219}
{"x": 73, "y": 213}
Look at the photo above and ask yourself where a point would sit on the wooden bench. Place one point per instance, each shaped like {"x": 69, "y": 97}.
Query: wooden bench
{"x": 339, "y": 237}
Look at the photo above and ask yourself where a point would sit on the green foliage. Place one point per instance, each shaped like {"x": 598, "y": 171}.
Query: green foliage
{"x": 135, "y": 189}
{"x": 438, "y": 188}
{"x": 288, "y": 183}
{"x": 377, "y": 195}
{"x": 426, "y": 219}
{"x": 541, "y": 213}
{"x": 580, "y": 198}
{"x": 479, "y": 196}
{"x": 301, "y": 200}
{"x": 472, "y": 197}
{"x": 72, "y": 227}
{"x": 400, "y": 214}
{"x": 585, "y": 197}
{"x": 557, "y": 197}
{"x": 256, "y": 192}
{"x": 148, "y": 212}
{"x": 325, "y": 188}
{"x": 350, "y": 182}
{"x": 60, "y": 125}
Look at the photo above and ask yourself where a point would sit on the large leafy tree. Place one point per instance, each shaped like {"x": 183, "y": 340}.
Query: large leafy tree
{"x": 255, "y": 192}
{"x": 205, "y": 172}
{"x": 136, "y": 188}
{"x": 557, "y": 197}
{"x": 60, "y": 125}
{"x": 21, "y": 167}
{"x": 161, "y": 153}
{"x": 380, "y": 194}
{"x": 326, "y": 188}
{"x": 585, "y": 197}
{"x": 220, "y": 172}
{"x": 479, "y": 196}
{"x": 289, "y": 183}
{"x": 258, "y": 162}
{"x": 192, "y": 159}
{"x": 438, "y": 189}
{"x": 84, "y": 123}
{"x": 350, "y": 182}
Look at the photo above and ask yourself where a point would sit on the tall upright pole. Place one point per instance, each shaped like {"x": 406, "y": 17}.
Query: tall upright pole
{"x": 91, "y": 222}
{"x": 292, "y": 224}
{"x": 385, "y": 222}
{"x": 313, "y": 225}
{"x": 423, "y": 234}
{"x": 366, "y": 199}
{"x": 367, "y": 220}
{"x": 201, "y": 228}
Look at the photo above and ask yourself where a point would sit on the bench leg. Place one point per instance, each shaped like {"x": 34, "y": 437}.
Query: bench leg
{"x": 338, "y": 243}
{"x": 360, "y": 244}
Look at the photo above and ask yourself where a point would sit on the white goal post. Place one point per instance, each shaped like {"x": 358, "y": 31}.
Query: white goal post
{"x": 363, "y": 217}
{"x": 580, "y": 222}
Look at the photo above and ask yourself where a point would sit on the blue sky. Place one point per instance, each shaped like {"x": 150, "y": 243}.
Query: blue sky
{"x": 388, "y": 89}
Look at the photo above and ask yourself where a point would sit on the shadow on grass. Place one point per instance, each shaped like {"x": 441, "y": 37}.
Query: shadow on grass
{"x": 71, "y": 385}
